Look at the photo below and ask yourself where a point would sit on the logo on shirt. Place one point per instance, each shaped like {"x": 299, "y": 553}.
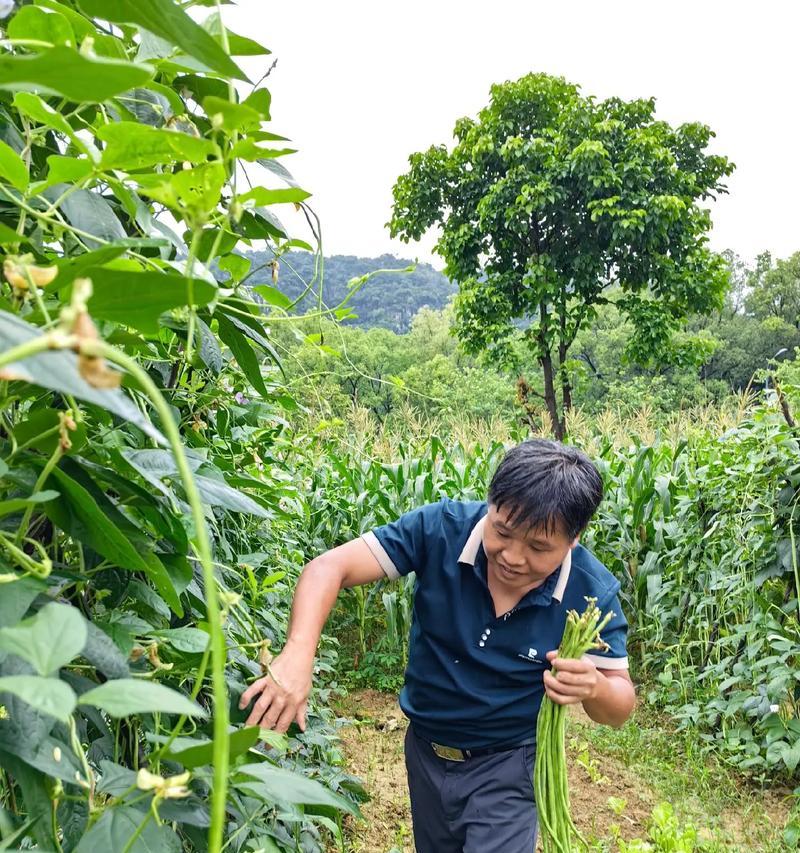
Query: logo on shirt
{"x": 531, "y": 656}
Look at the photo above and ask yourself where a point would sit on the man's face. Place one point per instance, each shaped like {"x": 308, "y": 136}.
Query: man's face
{"x": 521, "y": 557}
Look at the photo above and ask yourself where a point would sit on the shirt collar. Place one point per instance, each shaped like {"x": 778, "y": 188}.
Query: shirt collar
{"x": 469, "y": 554}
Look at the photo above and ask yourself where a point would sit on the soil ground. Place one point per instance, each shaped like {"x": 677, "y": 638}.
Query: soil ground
{"x": 604, "y": 792}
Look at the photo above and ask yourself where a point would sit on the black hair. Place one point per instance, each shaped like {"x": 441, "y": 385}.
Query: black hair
{"x": 547, "y": 485}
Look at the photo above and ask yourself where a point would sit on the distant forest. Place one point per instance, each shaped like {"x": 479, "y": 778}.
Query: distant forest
{"x": 387, "y": 300}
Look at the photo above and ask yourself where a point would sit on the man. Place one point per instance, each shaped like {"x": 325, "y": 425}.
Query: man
{"x": 494, "y": 584}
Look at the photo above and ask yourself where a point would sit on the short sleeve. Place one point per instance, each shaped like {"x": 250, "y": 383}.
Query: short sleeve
{"x": 403, "y": 546}
{"x": 615, "y": 635}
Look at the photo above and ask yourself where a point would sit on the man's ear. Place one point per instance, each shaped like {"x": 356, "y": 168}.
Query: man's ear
{"x": 574, "y": 542}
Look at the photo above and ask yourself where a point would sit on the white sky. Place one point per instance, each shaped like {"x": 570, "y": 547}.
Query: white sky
{"x": 360, "y": 85}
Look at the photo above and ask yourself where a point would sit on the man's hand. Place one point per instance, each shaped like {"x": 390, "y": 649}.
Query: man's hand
{"x": 284, "y": 694}
{"x": 575, "y": 681}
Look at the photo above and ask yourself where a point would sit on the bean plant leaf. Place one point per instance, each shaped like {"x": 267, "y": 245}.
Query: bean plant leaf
{"x": 79, "y": 512}
{"x": 273, "y": 783}
{"x": 133, "y": 146}
{"x": 195, "y": 753}
{"x": 65, "y": 72}
{"x": 169, "y": 22}
{"x": 125, "y": 696}
{"x": 242, "y": 352}
{"x": 48, "y": 640}
{"x": 138, "y": 299}
{"x": 31, "y": 22}
{"x": 17, "y": 597}
{"x": 46, "y": 695}
{"x": 218, "y": 493}
{"x": 12, "y": 167}
{"x": 58, "y": 371}
{"x": 120, "y": 828}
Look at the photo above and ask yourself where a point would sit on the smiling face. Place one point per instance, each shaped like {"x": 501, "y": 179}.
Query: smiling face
{"x": 519, "y": 557}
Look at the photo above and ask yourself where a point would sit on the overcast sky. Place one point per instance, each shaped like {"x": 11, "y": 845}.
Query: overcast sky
{"x": 361, "y": 85}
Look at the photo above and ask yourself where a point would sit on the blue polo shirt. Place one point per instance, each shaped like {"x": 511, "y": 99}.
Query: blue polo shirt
{"x": 475, "y": 679}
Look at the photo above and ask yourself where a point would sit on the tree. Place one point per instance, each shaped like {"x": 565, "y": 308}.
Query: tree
{"x": 775, "y": 291}
{"x": 547, "y": 201}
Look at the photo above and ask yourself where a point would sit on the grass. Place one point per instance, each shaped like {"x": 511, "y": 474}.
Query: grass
{"x": 731, "y": 812}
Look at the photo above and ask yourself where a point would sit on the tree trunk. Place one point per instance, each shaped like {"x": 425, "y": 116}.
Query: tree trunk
{"x": 550, "y": 395}
{"x": 566, "y": 387}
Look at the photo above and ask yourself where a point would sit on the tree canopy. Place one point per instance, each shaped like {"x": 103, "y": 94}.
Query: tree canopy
{"x": 548, "y": 201}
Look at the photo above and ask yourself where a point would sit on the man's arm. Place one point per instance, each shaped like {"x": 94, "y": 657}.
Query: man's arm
{"x": 608, "y": 695}
{"x": 284, "y": 692}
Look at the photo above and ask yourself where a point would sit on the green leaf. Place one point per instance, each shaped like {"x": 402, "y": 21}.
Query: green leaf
{"x": 132, "y": 146}
{"x": 236, "y": 265}
{"x": 209, "y": 350}
{"x": 217, "y": 493}
{"x": 35, "y": 789}
{"x": 262, "y": 196}
{"x": 9, "y": 236}
{"x": 58, "y": 371}
{"x": 138, "y": 299}
{"x": 276, "y": 783}
{"x": 47, "y": 695}
{"x": 104, "y": 654}
{"x": 169, "y": 22}
{"x": 242, "y": 352}
{"x": 17, "y": 597}
{"x": 272, "y": 295}
{"x": 65, "y": 170}
{"x": 62, "y": 71}
{"x": 119, "y": 829}
{"x": 34, "y": 23}
{"x": 125, "y": 696}
{"x": 195, "y": 191}
{"x": 12, "y": 167}
{"x": 91, "y": 213}
{"x": 87, "y": 514}
{"x": 16, "y": 504}
{"x": 186, "y": 639}
{"x": 195, "y": 753}
{"x": 48, "y": 640}
{"x": 238, "y": 45}
{"x": 41, "y": 431}
{"x": 234, "y": 116}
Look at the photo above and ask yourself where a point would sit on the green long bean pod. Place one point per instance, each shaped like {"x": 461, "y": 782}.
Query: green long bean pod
{"x": 550, "y": 781}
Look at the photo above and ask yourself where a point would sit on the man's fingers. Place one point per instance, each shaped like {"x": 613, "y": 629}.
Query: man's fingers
{"x": 571, "y": 664}
{"x": 273, "y": 714}
{"x": 300, "y": 717}
{"x": 260, "y": 709}
{"x": 252, "y": 690}
{"x": 285, "y": 719}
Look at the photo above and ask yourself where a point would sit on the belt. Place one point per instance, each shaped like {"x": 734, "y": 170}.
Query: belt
{"x": 452, "y": 753}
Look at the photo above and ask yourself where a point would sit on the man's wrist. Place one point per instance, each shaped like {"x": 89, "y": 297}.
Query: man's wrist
{"x": 300, "y": 649}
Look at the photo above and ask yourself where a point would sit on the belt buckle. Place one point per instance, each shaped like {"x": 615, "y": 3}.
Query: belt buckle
{"x": 449, "y": 753}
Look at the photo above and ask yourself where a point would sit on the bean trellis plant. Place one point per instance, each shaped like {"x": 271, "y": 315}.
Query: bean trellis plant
{"x": 146, "y": 524}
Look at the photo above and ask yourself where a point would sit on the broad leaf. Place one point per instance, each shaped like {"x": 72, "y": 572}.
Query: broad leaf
{"x": 107, "y": 532}
{"x": 17, "y": 597}
{"x": 12, "y": 167}
{"x": 169, "y": 22}
{"x": 33, "y": 23}
{"x": 48, "y": 640}
{"x": 47, "y": 695}
{"x": 120, "y": 828}
{"x": 276, "y": 783}
{"x": 125, "y": 696}
{"x": 62, "y": 71}
{"x": 217, "y": 493}
{"x": 132, "y": 146}
{"x": 262, "y": 196}
{"x": 195, "y": 753}
{"x": 242, "y": 352}
{"x": 138, "y": 299}
{"x": 16, "y": 504}
{"x": 92, "y": 214}
{"x": 58, "y": 371}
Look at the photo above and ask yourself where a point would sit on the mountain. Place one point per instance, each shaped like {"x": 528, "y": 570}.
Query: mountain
{"x": 388, "y": 299}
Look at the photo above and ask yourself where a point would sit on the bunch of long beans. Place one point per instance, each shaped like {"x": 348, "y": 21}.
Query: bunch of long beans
{"x": 581, "y": 634}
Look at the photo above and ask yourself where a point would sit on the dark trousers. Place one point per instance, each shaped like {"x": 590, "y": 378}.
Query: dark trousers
{"x": 482, "y": 805}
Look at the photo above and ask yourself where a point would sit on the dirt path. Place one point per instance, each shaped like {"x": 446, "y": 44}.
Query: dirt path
{"x": 604, "y": 793}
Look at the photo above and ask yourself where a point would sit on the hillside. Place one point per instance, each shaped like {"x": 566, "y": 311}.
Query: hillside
{"x": 387, "y": 300}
